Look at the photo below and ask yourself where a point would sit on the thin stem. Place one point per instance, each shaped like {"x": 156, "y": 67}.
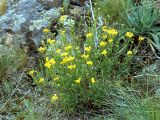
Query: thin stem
{"x": 96, "y": 33}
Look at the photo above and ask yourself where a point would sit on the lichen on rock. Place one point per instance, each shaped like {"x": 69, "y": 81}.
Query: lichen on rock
{"x": 28, "y": 15}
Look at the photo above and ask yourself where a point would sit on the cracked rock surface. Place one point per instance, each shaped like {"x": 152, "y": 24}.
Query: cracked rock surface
{"x": 28, "y": 15}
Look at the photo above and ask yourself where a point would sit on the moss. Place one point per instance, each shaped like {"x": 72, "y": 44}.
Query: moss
{"x": 3, "y": 6}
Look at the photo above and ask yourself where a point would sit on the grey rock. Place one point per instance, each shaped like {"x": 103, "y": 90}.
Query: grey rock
{"x": 77, "y": 10}
{"x": 51, "y": 3}
{"x": 10, "y": 3}
{"x": 28, "y": 15}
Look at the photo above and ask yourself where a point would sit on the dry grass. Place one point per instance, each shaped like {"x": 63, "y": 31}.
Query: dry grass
{"x": 3, "y": 6}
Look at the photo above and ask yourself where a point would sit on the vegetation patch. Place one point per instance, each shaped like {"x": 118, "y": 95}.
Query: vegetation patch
{"x": 101, "y": 64}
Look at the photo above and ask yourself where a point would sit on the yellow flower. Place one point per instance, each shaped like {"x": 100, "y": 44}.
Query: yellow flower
{"x": 129, "y": 53}
{"x": 54, "y": 98}
{"x": 88, "y": 49}
{"x": 104, "y": 36}
{"x": 50, "y": 41}
{"x": 42, "y": 49}
{"x": 47, "y": 59}
{"x": 62, "y": 32}
{"x": 104, "y": 28}
{"x": 110, "y": 40}
{"x": 71, "y": 58}
{"x": 63, "y": 18}
{"x": 93, "y": 80}
{"x": 89, "y": 35}
{"x": 68, "y": 47}
{"x": 129, "y": 34}
{"x": 64, "y": 54}
{"x": 104, "y": 52}
{"x": 52, "y": 61}
{"x": 89, "y": 63}
{"x": 45, "y": 30}
{"x": 56, "y": 78}
{"x": 67, "y": 59}
{"x": 85, "y": 56}
{"x": 141, "y": 38}
{"x": 41, "y": 80}
{"x": 71, "y": 67}
{"x": 102, "y": 43}
{"x": 78, "y": 81}
{"x": 112, "y": 32}
{"x": 49, "y": 63}
{"x": 31, "y": 73}
{"x": 58, "y": 51}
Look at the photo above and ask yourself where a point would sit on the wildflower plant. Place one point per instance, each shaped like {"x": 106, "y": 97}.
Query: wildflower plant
{"x": 82, "y": 80}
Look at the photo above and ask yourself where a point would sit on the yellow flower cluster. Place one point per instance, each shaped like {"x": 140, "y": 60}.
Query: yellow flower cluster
{"x": 49, "y": 62}
{"x": 112, "y": 32}
{"x": 64, "y": 54}
{"x": 129, "y": 34}
{"x": 42, "y": 49}
{"x": 93, "y": 80}
{"x": 85, "y": 56}
{"x": 88, "y": 49}
{"x": 110, "y": 40}
{"x": 46, "y": 30}
{"x": 89, "y": 63}
{"x": 78, "y": 81}
{"x": 58, "y": 51}
{"x": 141, "y": 38}
{"x": 71, "y": 67}
{"x": 67, "y": 59}
{"x": 68, "y": 47}
{"x": 62, "y": 32}
{"x": 31, "y": 73}
{"x": 63, "y": 18}
{"x": 41, "y": 80}
{"x": 54, "y": 98}
{"x": 89, "y": 35}
{"x": 104, "y": 28}
{"x": 103, "y": 43}
{"x": 104, "y": 36}
{"x": 50, "y": 41}
{"x": 129, "y": 53}
{"x": 104, "y": 52}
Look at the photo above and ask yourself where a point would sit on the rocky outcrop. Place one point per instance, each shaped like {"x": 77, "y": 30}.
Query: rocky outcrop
{"x": 77, "y": 2}
{"x": 31, "y": 16}
{"x": 28, "y": 16}
{"x": 51, "y": 3}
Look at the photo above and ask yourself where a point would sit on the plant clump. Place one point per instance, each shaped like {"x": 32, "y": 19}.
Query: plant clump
{"x": 83, "y": 80}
